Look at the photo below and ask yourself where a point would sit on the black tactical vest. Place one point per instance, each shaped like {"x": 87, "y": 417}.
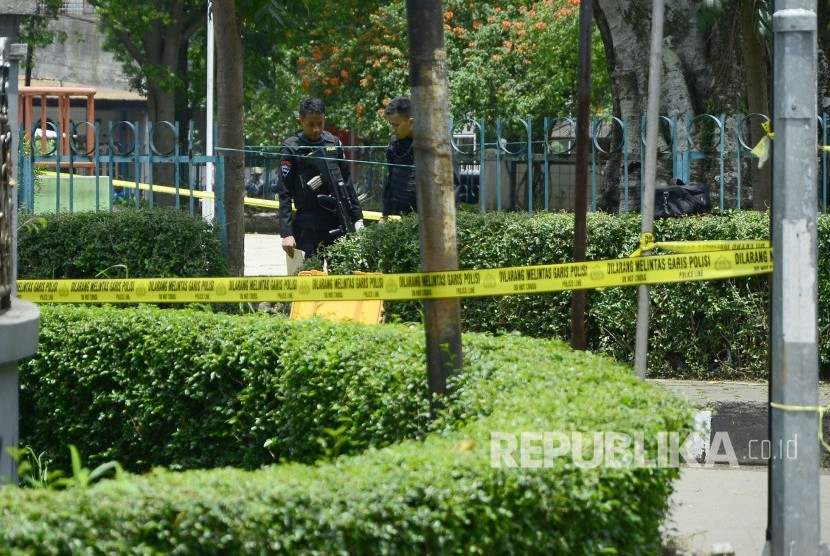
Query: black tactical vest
{"x": 401, "y": 156}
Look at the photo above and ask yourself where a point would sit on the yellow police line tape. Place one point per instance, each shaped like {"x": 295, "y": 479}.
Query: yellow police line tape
{"x": 761, "y": 149}
{"x": 198, "y": 194}
{"x": 820, "y": 410}
{"x": 735, "y": 259}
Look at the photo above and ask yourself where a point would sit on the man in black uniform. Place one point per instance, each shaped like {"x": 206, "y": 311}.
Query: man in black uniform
{"x": 315, "y": 176}
{"x": 398, "y": 195}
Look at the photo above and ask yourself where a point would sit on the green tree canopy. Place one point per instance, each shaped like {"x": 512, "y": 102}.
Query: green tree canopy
{"x": 505, "y": 58}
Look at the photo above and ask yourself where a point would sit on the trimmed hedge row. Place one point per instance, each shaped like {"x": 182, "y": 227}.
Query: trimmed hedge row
{"x": 147, "y": 243}
{"x": 699, "y": 330}
{"x": 191, "y": 389}
{"x": 438, "y": 494}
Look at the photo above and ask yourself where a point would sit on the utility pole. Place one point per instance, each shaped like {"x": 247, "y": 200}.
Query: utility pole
{"x": 583, "y": 149}
{"x": 433, "y": 178}
{"x": 647, "y": 212}
{"x": 794, "y": 462}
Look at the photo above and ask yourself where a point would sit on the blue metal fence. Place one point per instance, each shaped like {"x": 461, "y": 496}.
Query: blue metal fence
{"x": 520, "y": 163}
{"x": 504, "y": 164}
{"x": 120, "y": 168}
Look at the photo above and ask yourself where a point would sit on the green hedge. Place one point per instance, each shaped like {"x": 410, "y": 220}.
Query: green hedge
{"x": 699, "y": 330}
{"x": 436, "y": 494}
{"x": 149, "y": 243}
{"x": 192, "y": 389}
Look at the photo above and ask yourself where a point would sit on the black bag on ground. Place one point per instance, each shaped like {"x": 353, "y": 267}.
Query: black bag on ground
{"x": 681, "y": 199}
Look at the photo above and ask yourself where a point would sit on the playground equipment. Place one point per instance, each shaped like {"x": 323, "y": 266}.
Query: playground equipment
{"x": 61, "y": 129}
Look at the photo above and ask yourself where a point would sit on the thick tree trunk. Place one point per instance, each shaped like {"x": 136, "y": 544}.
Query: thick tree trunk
{"x": 701, "y": 74}
{"x": 160, "y": 109}
{"x": 231, "y": 136}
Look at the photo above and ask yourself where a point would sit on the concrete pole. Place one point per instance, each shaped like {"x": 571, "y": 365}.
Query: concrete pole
{"x": 652, "y": 126}
{"x": 794, "y": 463}
{"x": 434, "y": 182}
{"x": 19, "y": 320}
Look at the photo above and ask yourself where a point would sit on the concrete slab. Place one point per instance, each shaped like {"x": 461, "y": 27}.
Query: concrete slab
{"x": 722, "y": 505}
{"x": 739, "y": 409}
{"x": 706, "y": 393}
{"x": 264, "y": 255}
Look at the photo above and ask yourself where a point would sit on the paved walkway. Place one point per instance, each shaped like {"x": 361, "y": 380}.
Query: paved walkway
{"x": 722, "y": 510}
{"x": 264, "y": 255}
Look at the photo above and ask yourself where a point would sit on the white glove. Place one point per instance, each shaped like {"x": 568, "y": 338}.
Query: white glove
{"x": 315, "y": 182}
{"x": 358, "y": 225}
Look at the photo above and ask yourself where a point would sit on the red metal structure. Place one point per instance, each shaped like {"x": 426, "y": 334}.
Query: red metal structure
{"x": 64, "y": 96}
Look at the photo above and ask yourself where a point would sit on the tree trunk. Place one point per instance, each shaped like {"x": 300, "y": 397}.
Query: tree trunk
{"x": 702, "y": 73}
{"x": 434, "y": 181}
{"x": 229, "y": 66}
{"x": 756, "y": 61}
{"x": 160, "y": 104}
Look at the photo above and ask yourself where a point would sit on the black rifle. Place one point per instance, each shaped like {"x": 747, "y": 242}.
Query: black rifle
{"x": 336, "y": 199}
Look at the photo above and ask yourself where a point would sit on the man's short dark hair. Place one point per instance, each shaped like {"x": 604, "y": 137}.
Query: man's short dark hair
{"x": 400, "y": 105}
{"x": 312, "y": 106}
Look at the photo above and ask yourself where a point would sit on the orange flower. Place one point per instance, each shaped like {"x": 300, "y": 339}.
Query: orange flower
{"x": 505, "y": 25}
{"x": 302, "y": 60}
{"x": 344, "y": 74}
{"x": 522, "y": 32}
{"x": 508, "y": 44}
{"x": 327, "y": 92}
{"x": 573, "y": 2}
{"x": 476, "y": 24}
{"x": 497, "y": 57}
{"x": 335, "y": 81}
{"x": 448, "y": 16}
{"x": 458, "y": 31}
{"x": 541, "y": 25}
